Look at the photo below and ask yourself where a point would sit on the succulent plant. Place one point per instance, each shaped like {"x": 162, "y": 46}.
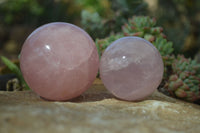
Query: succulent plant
{"x": 184, "y": 81}
{"x": 102, "y": 44}
{"x": 146, "y": 28}
{"x": 165, "y": 48}
{"x": 181, "y": 75}
{"x": 143, "y": 26}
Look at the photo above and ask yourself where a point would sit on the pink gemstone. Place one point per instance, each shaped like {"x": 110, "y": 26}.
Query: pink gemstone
{"x": 131, "y": 68}
{"x": 59, "y": 61}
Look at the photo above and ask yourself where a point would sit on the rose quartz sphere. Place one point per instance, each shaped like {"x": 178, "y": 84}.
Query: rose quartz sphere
{"x": 131, "y": 68}
{"x": 59, "y": 61}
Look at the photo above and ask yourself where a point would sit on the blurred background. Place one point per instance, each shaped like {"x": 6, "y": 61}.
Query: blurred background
{"x": 179, "y": 18}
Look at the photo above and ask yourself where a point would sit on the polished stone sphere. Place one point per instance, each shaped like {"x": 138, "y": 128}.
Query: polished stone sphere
{"x": 131, "y": 68}
{"x": 59, "y": 61}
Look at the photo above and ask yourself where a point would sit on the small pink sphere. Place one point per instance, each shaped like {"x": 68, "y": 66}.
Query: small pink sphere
{"x": 131, "y": 68}
{"x": 59, "y": 61}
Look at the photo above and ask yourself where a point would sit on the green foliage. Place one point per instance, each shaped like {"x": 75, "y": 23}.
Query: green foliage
{"x": 165, "y": 47}
{"x": 14, "y": 68}
{"x": 102, "y": 44}
{"x": 129, "y": 7}
{"x": 185, "y": 79}
{"x": 113, "y": 15}
{"x": 180, "y": 20}
{"x": 92, "y": 22}
{"x": 36, "y": 12}
{"x": 144, "y": 27}
{"x": 91, "y": 17}
{"x": 94, "y": 15}
{"x": 182, "y": 64}
{"x": 14, "y": 9}
{"x": 101, "y": 7}
{"x": 125, "y": 9}
{"x": 181, "y": 75}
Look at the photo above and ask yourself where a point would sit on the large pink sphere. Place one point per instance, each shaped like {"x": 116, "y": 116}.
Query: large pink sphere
{"x": 131, "y": 68}
{"x": 59, "y": 61}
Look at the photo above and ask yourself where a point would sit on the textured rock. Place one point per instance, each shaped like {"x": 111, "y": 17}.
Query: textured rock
{"x": 55, "y": 57}
{"x": 131, "y": 68}
{"x": 96, "y": 111}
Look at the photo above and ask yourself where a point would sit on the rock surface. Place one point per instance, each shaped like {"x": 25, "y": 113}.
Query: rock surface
{"x": 96, "y": 111}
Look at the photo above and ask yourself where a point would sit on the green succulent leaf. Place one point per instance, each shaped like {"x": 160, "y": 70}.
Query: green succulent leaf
{"x": 15, "y": 69}
{"x": 186, "y": 71}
